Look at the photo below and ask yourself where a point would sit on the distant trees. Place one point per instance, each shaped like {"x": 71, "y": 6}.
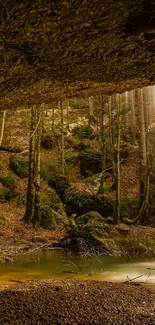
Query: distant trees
{"x": 120, "y": 120}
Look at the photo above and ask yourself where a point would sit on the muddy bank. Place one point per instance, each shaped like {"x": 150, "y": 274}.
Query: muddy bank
{"x": 76, "y": 302}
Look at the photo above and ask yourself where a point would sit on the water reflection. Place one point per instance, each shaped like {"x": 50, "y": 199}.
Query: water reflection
{"x": 62, "y": 264}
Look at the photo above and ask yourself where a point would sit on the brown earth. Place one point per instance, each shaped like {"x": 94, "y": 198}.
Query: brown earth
{"x": 73, "y": 302}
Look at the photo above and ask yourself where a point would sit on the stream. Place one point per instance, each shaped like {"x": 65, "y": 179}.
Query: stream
{"x": 64, "y": 264}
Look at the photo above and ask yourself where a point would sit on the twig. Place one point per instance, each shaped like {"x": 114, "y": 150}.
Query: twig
{"x": 43, "y": 246}
{"x": 130, "y": 280}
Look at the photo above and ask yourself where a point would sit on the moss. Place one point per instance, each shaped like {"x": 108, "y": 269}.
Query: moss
{"x": 9, "y": 181}
{"x": 4, "y": 192}
{"x": 71, "y": 159}
{"x": 52, "y": 173}
{"x": 47, "y": 218}
{"x": 85, "y": 132}
{"x": 50, "y": 198}
{"x": 131, "y": 245}
{"x": 22, "y": 242}
{"x": 19, "y": 164}
{"x": 48, "y": 141}
{"x": 39, "y": 239}
{"x": 2, "y": 219}
{"x": 90, "y": 162}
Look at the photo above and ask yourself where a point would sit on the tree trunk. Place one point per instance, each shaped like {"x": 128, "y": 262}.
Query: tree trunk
{"x": 68, "y": 107}
{"x": 112, "y": 140}
{"x": 53, "y": 118}
{"x": 43, "y": 118}
{"x": 36, "y": 218}
{"x": 62, "y": 139}
{"x": 30, "y": 188}
{"x": 103, "y": 148}
{"x": 2, "y": 127}
{"x": 91, "y": 110}
{"x": 118, "y": 178}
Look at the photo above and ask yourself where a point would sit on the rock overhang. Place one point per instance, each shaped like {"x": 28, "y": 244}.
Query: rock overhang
{"x": 53, "y": 50}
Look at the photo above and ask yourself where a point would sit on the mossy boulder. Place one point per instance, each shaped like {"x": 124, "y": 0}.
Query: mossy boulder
{"x": 52, "y": 174}
{"x": 9, "y": 180}
{"x": 48, "y": 141}
{"x": 89, "y": 226}
{"x": 19, "y": 163}
{"x": 85, "y": 132}
{"x": 80, "y": 145}
{"x": 39, "y": 239}
{"x": 49, "y": 198}
{"x": 4, "y": 192}
{"x": 51, "y": 205}
{"x": 2, "y": 219}
{"x": 80, "y": 201}
{"x": 90, "y": 162}
{"x": 47, "y": 218}
{"x": 71, "y": 159}
{"x": 60, "y": 183}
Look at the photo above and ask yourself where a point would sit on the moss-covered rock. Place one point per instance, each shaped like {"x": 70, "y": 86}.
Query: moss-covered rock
{"x": 71, "y": 159}
{"x": 92, "y": 228}
{"x": 81, "y": 201}
{"x": 47, "y": 218}
{"x": 19, "y": 164}
{"x": 90, "y": 162}
{"x": 51, "y": 205}
{"x": 80, "y": 145}
{"x": 48, "y": 141}
{"x": 39, "y": 239}
{"x": 2, "y": 219}
{"x": 9, "y": 180}
{"x": 60, "y": 183}
{"x": 4, "y": 192}
{"x": 49, "y": 198}
{"x": 85, "y": 132}
{"x": 52, "y": 174}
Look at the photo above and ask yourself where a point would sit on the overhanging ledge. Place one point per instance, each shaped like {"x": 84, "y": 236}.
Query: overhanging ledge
{"x": 51, "y": 50}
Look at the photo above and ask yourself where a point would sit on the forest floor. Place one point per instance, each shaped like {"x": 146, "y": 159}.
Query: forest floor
{"x": 49, "y": 302}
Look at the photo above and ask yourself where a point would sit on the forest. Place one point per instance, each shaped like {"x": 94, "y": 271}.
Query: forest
{"x": 77, "y": 162}
{"x": 78, "y": 175}
{"x": 86, "y": 164}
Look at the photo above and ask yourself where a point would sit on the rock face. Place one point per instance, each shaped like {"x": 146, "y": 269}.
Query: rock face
{"x": 56, "y": 49}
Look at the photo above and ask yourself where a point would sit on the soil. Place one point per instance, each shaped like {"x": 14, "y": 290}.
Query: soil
{"x": 74, "y": 302}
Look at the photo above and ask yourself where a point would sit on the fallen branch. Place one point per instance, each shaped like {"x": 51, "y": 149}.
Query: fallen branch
{"x": 41, "y": 247}
{"x": 16, "y": 281}
{"x": 130, "y": 280}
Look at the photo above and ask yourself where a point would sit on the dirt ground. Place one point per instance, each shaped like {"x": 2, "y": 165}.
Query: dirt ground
{"x": 75, "y": 302}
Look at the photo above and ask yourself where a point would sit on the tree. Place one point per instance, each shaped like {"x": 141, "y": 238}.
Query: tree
{"x": 2, "y": 127}
{"x": 32, "y": 213}
{"x": 28, "y": 216}
{"x": 118, "y": 177}
{"x": 36, "y": 217}
{"x": 103, "y": 146}
{"x": 62, "y": 138}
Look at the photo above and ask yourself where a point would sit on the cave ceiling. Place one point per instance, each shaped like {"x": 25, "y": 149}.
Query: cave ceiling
{"x": 53, "y": 50}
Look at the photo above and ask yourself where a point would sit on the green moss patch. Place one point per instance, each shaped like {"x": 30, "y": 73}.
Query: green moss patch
{"x": 4, "y": 192}
{"x": 39, "y": 239}
{"x": 20, "y": 164}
